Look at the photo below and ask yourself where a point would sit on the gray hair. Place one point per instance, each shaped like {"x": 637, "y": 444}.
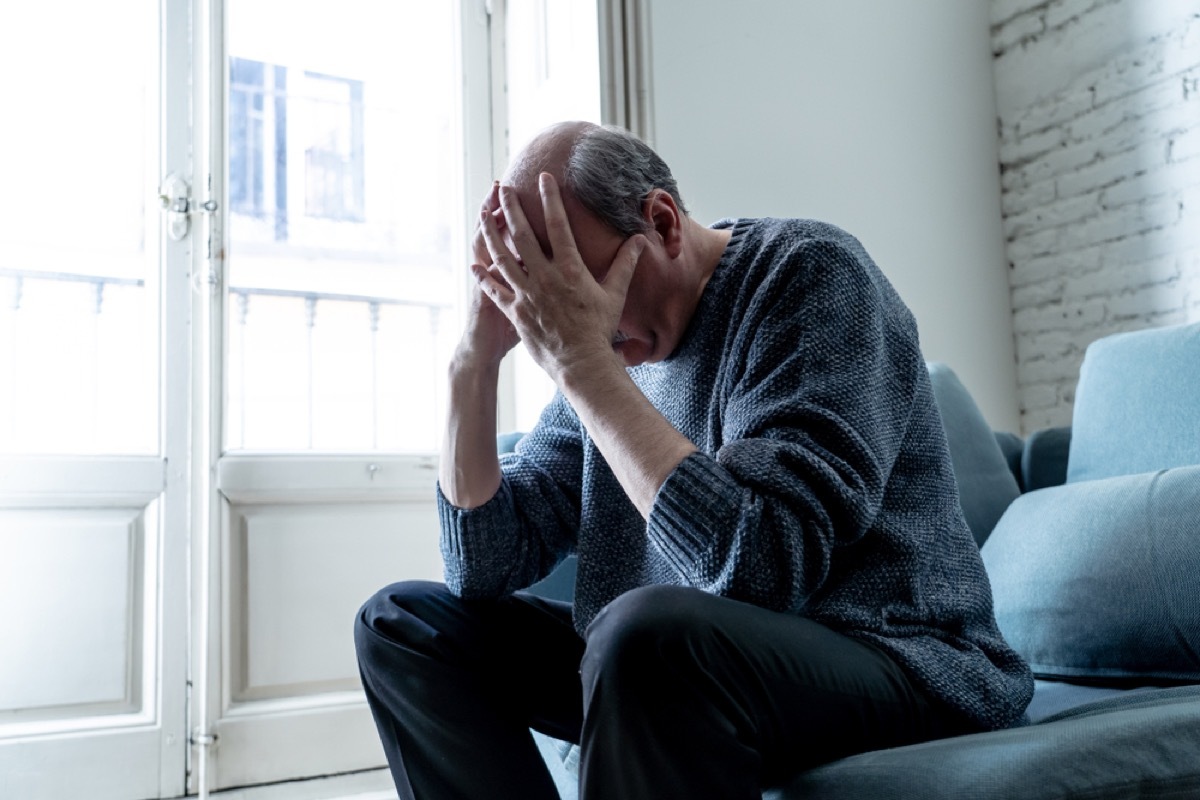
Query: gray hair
{"x": 611, "y": 172}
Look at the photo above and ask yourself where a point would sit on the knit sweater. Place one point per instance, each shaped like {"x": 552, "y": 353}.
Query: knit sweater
{"x": 822, "y": 487}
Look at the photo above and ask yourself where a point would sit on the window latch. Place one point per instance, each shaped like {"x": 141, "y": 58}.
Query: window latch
{"x": 175, "y": 198}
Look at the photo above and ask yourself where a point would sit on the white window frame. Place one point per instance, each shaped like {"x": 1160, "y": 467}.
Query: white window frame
{"x": 227, "y": 478}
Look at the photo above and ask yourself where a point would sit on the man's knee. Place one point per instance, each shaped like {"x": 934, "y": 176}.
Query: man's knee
{"x": 645, "y": 635}
{"x": 397, "y": 614}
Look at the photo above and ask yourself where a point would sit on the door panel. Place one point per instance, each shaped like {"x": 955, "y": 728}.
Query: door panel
{"x": 306, "y": 541}
{"x": 80, "y": 576}
{"x": 305, "y": 570}
{"x": 91, "y": 692}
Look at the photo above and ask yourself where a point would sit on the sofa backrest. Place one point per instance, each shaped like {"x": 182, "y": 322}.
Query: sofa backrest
{"x": 986, "y": 484}
{"x": 1137, "y": 405}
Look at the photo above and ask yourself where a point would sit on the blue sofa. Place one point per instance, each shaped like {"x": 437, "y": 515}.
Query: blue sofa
{"x": 1091, "y": 538}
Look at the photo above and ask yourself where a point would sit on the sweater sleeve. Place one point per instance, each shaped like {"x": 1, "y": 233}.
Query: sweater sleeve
{"x": 814, "y": 408}
{"x": 530, "y": 524}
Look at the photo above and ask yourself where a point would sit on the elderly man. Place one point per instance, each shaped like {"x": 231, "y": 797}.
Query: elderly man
{"x": 745, "y": 454}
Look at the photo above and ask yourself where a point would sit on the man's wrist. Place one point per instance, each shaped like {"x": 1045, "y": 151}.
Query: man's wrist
{"x": 589, "y": 369}
{"x": 468, "y": 364}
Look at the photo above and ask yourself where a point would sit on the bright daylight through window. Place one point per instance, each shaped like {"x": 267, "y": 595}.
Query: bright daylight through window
{"x": 78, "y": 233}
{"x": 343, "y": 193}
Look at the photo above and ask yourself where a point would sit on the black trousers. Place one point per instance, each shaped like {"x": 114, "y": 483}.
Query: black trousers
{"x": 672, "y": 693}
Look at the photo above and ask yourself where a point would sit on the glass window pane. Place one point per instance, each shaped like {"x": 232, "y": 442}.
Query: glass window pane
{"x": 552, "y": 74}
{"x": 343, "y": 187}
{"x": 78, "y": 253}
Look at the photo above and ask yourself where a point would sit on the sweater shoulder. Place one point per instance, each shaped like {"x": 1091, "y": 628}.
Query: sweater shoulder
{"x": 771, "y": 247}
{"x": 781, "y": 231}
{"x": 803, "y": 260}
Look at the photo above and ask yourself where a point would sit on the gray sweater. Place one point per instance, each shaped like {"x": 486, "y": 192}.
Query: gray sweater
{"x": 823, "y": 486}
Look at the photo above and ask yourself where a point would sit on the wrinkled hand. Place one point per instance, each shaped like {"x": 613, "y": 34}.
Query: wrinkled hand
{"x": 565, "y": 317}
{"x": 488, "y": 335}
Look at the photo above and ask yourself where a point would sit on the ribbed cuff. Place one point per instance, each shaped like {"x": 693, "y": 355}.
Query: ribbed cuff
{"x": 697, "y": 506}
{"x": 463, "y": 525}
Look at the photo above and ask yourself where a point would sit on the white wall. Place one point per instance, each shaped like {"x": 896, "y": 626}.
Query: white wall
{"x": 1099, "y": 104}
{"x": 876, "y": 116}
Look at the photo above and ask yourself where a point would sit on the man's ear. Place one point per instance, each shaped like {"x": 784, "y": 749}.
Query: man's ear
{"x": 664, "y": 218}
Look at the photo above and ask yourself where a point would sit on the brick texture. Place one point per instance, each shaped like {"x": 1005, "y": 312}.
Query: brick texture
{"x": 1099, "y": 121}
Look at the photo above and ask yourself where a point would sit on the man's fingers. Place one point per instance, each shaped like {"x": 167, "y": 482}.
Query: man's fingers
{"x": 504, "y": 260}
{"x": 490, "y": 205}
{"x": 620, "y": 273}
{"x": 558, "y": 227}
{"x": 494, "y": 287}
{"x": 523, "y": 238}
{"x": 492, "y": 200}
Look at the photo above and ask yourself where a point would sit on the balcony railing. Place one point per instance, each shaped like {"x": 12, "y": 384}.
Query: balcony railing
{"x": 17, "y": 278}
{"x": 368, "y": 375}
{"x": 77, "y": 364}
{"x": 305, "y": 370}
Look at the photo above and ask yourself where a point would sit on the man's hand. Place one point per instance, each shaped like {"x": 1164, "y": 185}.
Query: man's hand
{"x": 489, "y": 335}
{"x": 566, "y": 318}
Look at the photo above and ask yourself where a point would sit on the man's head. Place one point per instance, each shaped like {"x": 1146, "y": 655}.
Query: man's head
{"x": 612, "y": 173}
{"x": 614, "y": 186}
{"x": 604, "y": 172}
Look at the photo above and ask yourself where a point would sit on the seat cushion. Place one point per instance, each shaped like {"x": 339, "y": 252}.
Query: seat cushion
{"x": 1136, "y": 404}
{"x": 1052, "y": 698}
{"x": 1145, "y": 744}
{"x": 1098, "y": 580}
{"x": 986, "y": 485}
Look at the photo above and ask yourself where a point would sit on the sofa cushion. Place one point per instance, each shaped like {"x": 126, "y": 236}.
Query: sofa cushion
{"x": 1140, "y": 745}
{"x": 986, "y": 485}
{"x": 1053, "y": 698}
{"x": 1135, "y": 405}
{"x": 1098, "y": 580}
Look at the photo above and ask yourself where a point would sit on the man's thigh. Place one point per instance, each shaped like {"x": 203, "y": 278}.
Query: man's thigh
{"x": 799, "y": 692}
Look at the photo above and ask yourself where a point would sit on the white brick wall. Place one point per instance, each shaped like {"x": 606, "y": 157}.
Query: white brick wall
{"x": 1099, "y": 106}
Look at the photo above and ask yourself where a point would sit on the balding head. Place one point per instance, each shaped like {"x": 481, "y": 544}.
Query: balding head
{"x": 613, "y": 186}
{"x": 603, "y": 171}
{"x": 549, "y": 151}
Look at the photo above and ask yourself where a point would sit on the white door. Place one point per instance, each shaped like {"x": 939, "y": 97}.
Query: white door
{"x": 94, "y": 299}
{"x": 359, "y": 139}
{"x": 361, "y": 136}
